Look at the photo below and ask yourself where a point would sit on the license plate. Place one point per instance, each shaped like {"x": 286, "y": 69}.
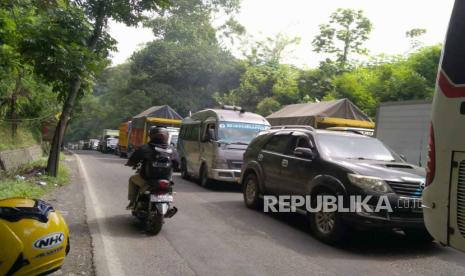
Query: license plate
{"x": 161, "y": 198}
{"x": 160, "y": 165}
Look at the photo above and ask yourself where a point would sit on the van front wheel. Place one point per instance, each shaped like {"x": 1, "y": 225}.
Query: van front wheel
{"x": 184, "y": 172}
{"x": 204, "y": 180}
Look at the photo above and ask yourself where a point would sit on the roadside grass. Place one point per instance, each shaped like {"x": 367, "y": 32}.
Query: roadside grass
{"x": 12, "y": 185}
{"x": 26, "y": 136}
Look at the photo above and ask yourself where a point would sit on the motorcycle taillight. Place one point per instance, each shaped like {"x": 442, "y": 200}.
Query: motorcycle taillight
{"x": 163, "y": 184}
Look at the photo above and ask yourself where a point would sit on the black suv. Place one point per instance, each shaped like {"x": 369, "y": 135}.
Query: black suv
{"x": 302, "y": 161}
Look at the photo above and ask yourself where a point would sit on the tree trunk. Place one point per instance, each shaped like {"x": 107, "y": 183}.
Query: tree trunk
{"x": 345, "y": 55}
{"x": 54, "y": 157}
{"x": 75, "y": 85}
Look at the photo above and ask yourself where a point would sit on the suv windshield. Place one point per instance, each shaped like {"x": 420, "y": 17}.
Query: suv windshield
{"x": 237, "y": 132}
{"x": 354, "y": 147}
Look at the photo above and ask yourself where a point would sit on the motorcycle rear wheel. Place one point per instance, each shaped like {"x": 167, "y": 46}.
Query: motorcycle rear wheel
{"x": 153, "y": 224}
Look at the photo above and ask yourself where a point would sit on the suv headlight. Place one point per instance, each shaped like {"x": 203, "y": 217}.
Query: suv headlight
{"x": 369, "y": 183}
{"x": 220, "y": 164}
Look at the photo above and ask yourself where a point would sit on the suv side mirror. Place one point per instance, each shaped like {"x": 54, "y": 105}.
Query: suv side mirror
{"x": 306, "y": 153}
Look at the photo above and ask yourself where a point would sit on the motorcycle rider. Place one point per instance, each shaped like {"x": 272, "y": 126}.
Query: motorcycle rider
{"x": 158, "y": 139}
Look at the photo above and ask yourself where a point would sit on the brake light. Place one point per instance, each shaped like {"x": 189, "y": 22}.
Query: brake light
{"x": 163, "y": 184}
{"x": 431, "y": 165}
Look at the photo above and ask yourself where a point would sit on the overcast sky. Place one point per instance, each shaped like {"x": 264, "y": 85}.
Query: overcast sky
{"x": 262, "y": 18}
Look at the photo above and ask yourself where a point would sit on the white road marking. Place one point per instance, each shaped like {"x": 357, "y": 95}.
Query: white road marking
{"x": 111, "y": 259}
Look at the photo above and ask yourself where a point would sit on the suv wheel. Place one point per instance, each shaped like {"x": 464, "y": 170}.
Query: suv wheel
{"x": 204, "y": 180}
{"x": 184, "y": 172}
{"x": 251, "y": 191}
{"x": 327, "y": 226}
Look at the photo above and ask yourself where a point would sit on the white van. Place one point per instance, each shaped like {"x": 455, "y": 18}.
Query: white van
{"x": 212, "y": 142}
{"x": 444, "y": 194}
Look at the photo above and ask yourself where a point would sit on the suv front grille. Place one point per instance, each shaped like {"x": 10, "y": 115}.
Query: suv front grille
{"x": 407, "y": 189}
{"x": 461, "y": 199}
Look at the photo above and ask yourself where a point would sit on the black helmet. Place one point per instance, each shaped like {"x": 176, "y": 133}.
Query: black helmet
{"x": 158, "y": 135}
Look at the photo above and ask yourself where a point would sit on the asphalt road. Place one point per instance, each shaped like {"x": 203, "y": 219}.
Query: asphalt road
{"x": 215, "y": 234}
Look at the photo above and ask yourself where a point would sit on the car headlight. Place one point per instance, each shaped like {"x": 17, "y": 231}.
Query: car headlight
{"x": 220, "y": 164}
{"x": 369, "y": 183}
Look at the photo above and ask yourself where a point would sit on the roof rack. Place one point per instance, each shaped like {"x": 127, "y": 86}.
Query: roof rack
{"x": 292, "y": 126}
{"x": 234, "y": 108}
{"x": 359, "y": 132}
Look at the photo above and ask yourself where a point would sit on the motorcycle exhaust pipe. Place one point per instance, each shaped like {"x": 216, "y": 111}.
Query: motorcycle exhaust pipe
{"x": 171, "y": 212}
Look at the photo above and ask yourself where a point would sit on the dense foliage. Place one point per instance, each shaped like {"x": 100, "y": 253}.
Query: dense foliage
{"x": 47, "y": 47}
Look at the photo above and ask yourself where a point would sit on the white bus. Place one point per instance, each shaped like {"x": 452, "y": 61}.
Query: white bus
{"x": 444, "y": 194}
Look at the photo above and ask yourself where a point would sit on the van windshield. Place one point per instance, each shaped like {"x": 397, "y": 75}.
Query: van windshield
{"x": 174, "y": 139}
{"x": 238, "y": 132}
{"x": 354, "y": 147}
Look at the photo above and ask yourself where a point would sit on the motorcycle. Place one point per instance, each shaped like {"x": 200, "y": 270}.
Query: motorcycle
{"x": 154, "y": 203}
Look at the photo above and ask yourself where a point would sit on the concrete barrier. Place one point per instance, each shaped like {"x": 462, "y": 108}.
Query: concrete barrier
{"x": 12, "y": 159}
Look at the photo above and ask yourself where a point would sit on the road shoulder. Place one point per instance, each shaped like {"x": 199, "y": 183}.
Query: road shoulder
{"x": 70, "y": 201}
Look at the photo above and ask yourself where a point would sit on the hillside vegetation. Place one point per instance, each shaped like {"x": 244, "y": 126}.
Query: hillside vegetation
{"x": 189, "y": 67}
{"x": 26, "y": 136}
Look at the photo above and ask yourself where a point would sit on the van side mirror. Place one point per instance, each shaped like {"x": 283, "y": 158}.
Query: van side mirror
{"x": 403, "y": 157}
{"x": 306, "y": 153}
{"x": 211, "y": 134}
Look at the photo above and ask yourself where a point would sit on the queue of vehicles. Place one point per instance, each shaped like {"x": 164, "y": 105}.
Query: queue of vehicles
{"x": 346, "y": 158}
{"x": 107, "y": 143}
{"x": 235, "y": 146}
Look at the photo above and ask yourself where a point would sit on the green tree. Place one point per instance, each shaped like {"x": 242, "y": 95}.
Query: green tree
{"x": 344, "y": 35}
{"x": 355, "y": 86}
{"x": 414, "y": 36}
{"x": 398, "y": 79}
{"x": 425, "y": 62}
{"x": 80, "y": 27}
{"x": 186, "y": 63}
{"x": 269, "y": 51}
{"x": 23, "y": 94}
{"x": 182, "y": 67}
{"x": 267, "y": 106}
{"x": 264, "y": 81}
{"x": 315, "y": 84}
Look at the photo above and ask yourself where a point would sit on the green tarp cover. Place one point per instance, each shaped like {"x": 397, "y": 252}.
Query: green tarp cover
{"x": 161, "y": 111}
{"x": 305, "y": 114}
